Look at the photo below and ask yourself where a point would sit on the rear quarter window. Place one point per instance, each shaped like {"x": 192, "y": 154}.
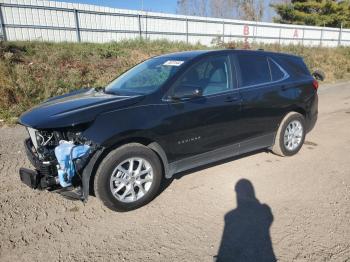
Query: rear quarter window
{"x": 296, "y": 66}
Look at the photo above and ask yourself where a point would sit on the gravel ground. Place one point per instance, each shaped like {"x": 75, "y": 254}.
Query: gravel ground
{"x": 300, "y": 212}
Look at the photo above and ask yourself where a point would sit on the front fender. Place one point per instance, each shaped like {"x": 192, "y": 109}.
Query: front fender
{"x": 139, "y": 121}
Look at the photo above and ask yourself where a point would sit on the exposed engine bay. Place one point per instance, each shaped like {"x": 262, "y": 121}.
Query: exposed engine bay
{"x": 58, "y": 156}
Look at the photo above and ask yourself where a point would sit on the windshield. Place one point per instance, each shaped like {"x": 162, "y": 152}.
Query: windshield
{"x": 145, "y": 77}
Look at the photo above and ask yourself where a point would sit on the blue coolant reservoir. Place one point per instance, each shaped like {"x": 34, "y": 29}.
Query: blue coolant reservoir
{"x": 65, "y": 153}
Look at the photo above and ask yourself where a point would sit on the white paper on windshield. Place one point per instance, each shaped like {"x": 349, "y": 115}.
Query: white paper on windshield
{"x": 173, "y": 63}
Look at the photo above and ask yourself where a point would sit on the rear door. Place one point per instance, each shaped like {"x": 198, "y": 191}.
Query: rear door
{"x": 202, "y": 124}
{"x": 262, "y": 85}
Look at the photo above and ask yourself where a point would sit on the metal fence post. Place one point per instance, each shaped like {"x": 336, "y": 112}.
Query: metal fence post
{"x": 187, "y": 30}
{"x": 2, "y": 22}
{"x": 223, "y": 31}
{"x": 302, "y": 40}
{"x": 279, "y": 36}
{"x": 146, "y": 30}
{"x": 340, "y": 34}
{"x": 255, "y": 31}
{"x": 77, "y": 25}
{"x": 321, "y": 39}
{"x": 140, "y": 28}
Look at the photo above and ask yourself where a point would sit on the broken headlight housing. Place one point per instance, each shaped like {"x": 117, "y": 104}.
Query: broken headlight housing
{"x": 64, "y": 151}
{"x": 41, "y": 138}
{"x": 49, "y": 138}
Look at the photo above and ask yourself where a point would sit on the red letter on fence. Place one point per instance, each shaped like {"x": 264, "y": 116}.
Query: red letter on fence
{"x": 246, "y": 30}
{"x": 296, "y": 35}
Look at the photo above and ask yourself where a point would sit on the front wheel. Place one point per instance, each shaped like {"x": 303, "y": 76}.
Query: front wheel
{"x": 290, "y": 135}
{"x": 128, "y": 178}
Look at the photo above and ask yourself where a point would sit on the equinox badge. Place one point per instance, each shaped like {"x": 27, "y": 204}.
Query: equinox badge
{"x": 192, "y": 139}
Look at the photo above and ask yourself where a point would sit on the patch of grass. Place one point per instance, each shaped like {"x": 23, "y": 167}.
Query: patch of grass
{"x": 31, "y": 72}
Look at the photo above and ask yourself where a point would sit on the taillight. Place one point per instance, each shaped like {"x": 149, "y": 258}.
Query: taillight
{"x": 315, "y": 84}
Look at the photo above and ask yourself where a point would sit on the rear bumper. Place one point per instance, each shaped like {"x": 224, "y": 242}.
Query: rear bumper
{"x": 312, "y": 122}
{"x": 312, "y": 115}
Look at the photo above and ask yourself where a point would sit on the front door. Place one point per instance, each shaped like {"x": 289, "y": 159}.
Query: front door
{"x": 204, "y": 123}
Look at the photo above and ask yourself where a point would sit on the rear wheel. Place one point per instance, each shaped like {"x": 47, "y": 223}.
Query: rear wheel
{"x": 129, "y": 177}
{"x": 290, "y": 135}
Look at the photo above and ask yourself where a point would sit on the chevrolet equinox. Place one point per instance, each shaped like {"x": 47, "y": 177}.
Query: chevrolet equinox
{"x": 168, "y": 114}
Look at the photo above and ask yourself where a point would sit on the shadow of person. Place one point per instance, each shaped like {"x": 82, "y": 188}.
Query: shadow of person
{"x": 246, "y": 235}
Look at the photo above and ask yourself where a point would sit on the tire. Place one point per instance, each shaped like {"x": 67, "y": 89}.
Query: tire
{"x": 281, "y": 147}
{"x": 113, "y": 175}
{"x": 319, "y": 75}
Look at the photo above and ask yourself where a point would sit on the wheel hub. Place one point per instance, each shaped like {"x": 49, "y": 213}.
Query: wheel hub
{"x": 131, "y": 179}
{"x": 293, "y": 135}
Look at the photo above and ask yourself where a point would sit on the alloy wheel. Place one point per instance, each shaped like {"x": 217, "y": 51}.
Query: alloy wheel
{"x": 131, "y": 179}
{"x": 293, "y": 135}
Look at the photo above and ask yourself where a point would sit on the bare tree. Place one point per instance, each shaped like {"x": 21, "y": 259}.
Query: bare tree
{"x": 251, "y": 9}
{"x": 223, "y": 8}
{"x": 245, "y": 9}
{"x": 193, "y": 7}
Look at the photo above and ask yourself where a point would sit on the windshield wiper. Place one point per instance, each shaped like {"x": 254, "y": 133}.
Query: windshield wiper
{"x": 100, "y": 89}
{"x": 113, "y": 93}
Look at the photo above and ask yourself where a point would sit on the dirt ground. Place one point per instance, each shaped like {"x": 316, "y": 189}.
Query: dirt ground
{"x": 301, "y": 211}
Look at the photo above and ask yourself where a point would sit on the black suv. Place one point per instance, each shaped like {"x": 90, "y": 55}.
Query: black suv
{"x": 168, "y": 114}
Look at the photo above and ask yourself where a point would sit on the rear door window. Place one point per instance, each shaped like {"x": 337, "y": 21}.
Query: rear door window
{"x": 254, "y": 69}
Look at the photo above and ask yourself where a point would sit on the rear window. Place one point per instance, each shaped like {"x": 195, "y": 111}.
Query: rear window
{"x": 254, "y": 69}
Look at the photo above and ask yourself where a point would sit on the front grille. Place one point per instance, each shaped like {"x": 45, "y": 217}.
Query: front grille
{"x": 48, "y": 170}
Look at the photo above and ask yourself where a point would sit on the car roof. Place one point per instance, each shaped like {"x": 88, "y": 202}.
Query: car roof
{"x": 186, "y": 54}
{"x": 195, "y": 53}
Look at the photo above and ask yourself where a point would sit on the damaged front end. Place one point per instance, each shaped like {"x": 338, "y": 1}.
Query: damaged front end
{"x": 59, "y": 158}
{"x": 62, "y": 153}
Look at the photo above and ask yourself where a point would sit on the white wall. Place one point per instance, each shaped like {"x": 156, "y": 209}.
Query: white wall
{"x": 50, "y": 24}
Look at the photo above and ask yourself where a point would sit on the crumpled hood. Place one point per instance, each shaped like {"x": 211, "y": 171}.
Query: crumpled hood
{"x": 75, "y": 108}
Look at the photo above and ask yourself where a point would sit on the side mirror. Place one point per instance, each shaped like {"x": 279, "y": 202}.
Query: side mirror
{"x": 319, "y": 75}
{"x": 187, "y": 92}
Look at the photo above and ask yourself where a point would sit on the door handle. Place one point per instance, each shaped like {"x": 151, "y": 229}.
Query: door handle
{"x": 285, "y": 87}
{"x": 231, "y": 99}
